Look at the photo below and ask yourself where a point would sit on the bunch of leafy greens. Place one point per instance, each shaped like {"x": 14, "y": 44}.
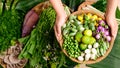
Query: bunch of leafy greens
{"x": 26, "y": 5}
{"x": 100, "y": 5}
{"x": 73, "y": 4}
{"x": 10, "y": 28}
{"x": 10, "y": 25}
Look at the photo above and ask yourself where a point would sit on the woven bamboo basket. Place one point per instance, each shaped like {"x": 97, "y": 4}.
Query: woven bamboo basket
{"x": 86, "y": 8}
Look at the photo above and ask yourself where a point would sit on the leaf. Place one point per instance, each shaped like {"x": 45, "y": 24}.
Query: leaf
{"x": 62, "y": 60}
{"x": 100, "y": 5}
{"x": 113, "y": 59}
{"x": 118, "y": 13}
{"x": 0, "y": 7}
{"x": 26, "y": 5}
{"x": 73, "y": 4}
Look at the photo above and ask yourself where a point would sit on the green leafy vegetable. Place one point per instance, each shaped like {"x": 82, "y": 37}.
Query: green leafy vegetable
{"x": 118, "y": 13}
{"x": 26, "y": 5}
{"x": 73, "y": 4}
{"x": 10, "y": 28}
{"x": 100, "y": 5}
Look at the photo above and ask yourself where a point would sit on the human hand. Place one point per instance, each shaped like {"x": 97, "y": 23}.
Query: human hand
{"x": 60, "y": 20}
{"x": 111, "y": 21}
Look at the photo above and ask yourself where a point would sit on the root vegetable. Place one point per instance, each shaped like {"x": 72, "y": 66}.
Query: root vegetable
{"x": 93, "y": 56}
{"x": 94, "y": 51}
{"x": 80, "y": 58}
{"x": 87, "y": 51}
{"x": 82, "y": 54}
{"x": 89, "y": 46}
{"x": 87, "y": 57}
{"x": 96, "y": 45}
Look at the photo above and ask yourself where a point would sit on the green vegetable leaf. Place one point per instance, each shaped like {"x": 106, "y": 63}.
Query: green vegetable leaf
{"x": 26, "y": 5}
{"x": 100, "y": 5}
{"x": 118, "y": 13}
{"x": 73, "y": 4}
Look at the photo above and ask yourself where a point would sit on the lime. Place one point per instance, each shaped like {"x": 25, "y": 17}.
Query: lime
{"x": 83, "y": 46}
{"x": 86, "y": 39}
{"x": 78, "y": 36}
{"x": 92, "y": 40}
{"x": 88, "y": 32}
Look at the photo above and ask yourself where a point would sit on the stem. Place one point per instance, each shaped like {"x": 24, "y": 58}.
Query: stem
{"x": 4, "y": 6}
{"x": 11, "y": 4}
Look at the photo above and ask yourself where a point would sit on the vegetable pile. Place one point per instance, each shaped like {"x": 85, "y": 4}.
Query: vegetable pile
{"x": 10, "y": 28}
{"x": 10, "y": 24}
{"x": 86, "y": 36}
{"x": 36, "y": 43}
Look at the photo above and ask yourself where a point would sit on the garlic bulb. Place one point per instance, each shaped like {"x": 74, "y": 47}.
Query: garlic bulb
{"x": 80, "y": 58}
{"x": 89, "y": 46}
{"x": 87, "y": 51}
{"x": 96, "y": 45}
{"x": 87, "y": 56}
{"x": 93, "y": 56}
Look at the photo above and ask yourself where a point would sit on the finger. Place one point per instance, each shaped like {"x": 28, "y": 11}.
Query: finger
{"x": 58, "y": 29}
{"x": 59, "y": 38}
{"x": 59, "y": 33}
